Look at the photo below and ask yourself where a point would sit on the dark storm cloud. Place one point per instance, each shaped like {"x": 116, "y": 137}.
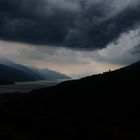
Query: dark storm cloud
{"x": 75, "y": 24}
{"x": 22, "y": 21}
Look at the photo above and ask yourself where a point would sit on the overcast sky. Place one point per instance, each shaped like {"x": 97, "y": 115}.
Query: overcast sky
{"x": 76, "y": 37}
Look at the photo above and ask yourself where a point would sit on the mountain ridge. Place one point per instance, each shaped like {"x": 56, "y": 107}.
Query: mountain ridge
{"x": 36, "y": 74}
{"x": 9, "y": 74}
{"x": 51, "y": 74}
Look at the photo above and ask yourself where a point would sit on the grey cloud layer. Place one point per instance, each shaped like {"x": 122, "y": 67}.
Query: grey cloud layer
{"x": 77, "y": 24}
{"x": 136, "y": 50}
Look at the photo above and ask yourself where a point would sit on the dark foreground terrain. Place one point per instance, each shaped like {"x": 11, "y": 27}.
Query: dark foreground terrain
{"x": 105, "y": 106}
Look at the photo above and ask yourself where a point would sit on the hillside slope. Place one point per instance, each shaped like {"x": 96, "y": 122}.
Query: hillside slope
{"x": 104, "y": 106}
{"x": 109, "y": 83}
{"x": 50, "y": 74}
{"x": 14, "y": 75}
{"x": 35, "y": 75}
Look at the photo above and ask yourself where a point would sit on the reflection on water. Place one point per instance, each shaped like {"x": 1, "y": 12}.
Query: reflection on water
{"x": 27, "y": 86}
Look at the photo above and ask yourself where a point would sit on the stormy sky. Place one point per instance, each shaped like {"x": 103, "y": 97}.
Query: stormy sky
{"x": 76, "y": 37}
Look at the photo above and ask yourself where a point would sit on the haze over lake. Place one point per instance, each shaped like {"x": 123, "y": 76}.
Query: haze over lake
{"x": 27, "y": 86}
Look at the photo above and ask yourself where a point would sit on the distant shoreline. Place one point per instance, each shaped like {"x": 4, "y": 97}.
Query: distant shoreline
{"x": 24, "y": 87}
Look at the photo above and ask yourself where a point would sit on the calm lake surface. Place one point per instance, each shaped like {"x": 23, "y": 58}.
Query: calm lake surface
{"x": 27, "y": 86}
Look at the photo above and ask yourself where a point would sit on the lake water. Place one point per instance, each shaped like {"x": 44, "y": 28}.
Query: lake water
{"x": 27, "y": 86}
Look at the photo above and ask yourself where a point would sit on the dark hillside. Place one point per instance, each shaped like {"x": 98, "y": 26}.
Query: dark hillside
{"x": 9, "y": 74}
{"x": 104, "y": 106}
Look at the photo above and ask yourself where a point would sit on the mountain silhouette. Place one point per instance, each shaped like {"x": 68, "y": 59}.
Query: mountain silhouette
{"x": 50, "y": 74}
{"x": 36, "y": 73}
{"x": 9, "y": 74}
{"x": 103, "y": 106}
